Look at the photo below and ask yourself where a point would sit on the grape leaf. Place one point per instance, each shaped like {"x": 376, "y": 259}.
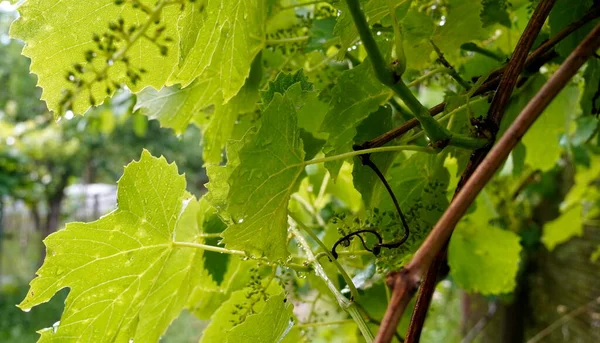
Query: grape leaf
{"x": 357, "y": 94}
{"x": 270, "y": 163}
{"x": 417, "y": 28}
{"x": 231, "y": 36}
{"x": 564, "y": 13}
{"x": 592, "y": 84}
{"x": 569, "y": 224}
{"x": 270, "y": 325}
{"x": 484, "y": 258}
{"x": 494, "y": 11}
{"x": 232, "y": 311}
{"x": 462, "y": 24}
{"x": 174, "y": 107}
{"x": 127, "y": 279}
{"x": 375, "y": 11}
{"x": 420, "y": 185}
{"x": 283, "y": 82}
{"x": 365, "y": 180}
{"x": 541, "y": 140}
{"x": 61, "y": 26}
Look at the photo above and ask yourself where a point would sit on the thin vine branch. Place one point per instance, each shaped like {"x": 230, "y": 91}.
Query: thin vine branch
{"x": 344, "y": 303}
{"x": 508, "y": 81}
{"x": 538, "y": 57}
{"x": 353, "y": 291}
{"x": 406, "y": 281}
{"x": 451, "y": 71}
{"x": 438, "y": 134}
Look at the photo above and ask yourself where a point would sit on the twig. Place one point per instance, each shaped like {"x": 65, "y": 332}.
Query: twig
{"x": 540, "y": 335}
{"x": 405, "y": 281}
{"x": 451, "y": 71}
{"x": 509, "y": 79}
{"x": 481, "y": 324}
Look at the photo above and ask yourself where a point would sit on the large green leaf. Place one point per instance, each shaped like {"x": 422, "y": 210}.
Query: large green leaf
{"x": 375, "y": 11}
{"x": 542, "y": 139}
{"x": 569, "y": 224}
{"x": 239, "y": 307}
{"x": 57, "y": 35}
{"x": 270, "y": 325}
{"x": 357, "y": 94}
{"x": 231, "y": 35}
{"x": 564, "y": 13}
{"x": 462, "y": 24}
{"x": 260, "y": 186}
{"x": 365, "y": 180}
{"x": 420, "y": 184}
{"x": 484, "y": 258}
{"x": 127, "y": 280}
{"x": 175, "y": 107}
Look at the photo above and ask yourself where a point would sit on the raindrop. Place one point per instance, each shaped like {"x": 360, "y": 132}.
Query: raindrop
{"x": 26, "y": 309}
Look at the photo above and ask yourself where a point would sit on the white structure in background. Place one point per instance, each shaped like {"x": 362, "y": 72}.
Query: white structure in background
{"x": 89, "y": 202}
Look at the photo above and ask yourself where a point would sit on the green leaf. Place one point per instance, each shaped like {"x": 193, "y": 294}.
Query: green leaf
{"x": 420, "y": 185}
{"x": 270, "y": 325}
{"x": 283, "y": 82}
{"x": 59, "y": 38}
{"x": 564, "y": 13}
{"x": 233, "y": 311}
{"x": 583, "y": 179}
{"x": 592, "y": 84}
{"x": 270, "y": 163}
{"x": 175, "y": 107}
{"x": 569, "y": 224}
{"x": 231, "y": 36}
{"x": 462, "y": 24}
{"x": 542, "y": 139}
{"x": 484, "y": 258}
{"x": 357, "y": 94}
{"x": 417, "y": 28}
{"x": 494, "y": 11}
{"x": 126, "y": 278}
{"x": 375, "y": 11}
{"x": 365, "y": 180}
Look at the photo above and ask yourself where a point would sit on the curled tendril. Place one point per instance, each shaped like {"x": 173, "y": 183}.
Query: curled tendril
{"x": 366, "y": 161}
{"x": 346, "y": 239}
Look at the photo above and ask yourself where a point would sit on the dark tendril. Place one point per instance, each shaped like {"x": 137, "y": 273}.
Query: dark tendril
{"x": 366, "y": 161}
{"x": 346, "y": 239}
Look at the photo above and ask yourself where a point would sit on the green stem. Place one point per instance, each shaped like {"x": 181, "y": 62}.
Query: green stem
{"x": 205, "y": 247}
{"x": 317, "y": 324}
{"x": 381, "y": 70}
{"x": 427, "y": 76}
{"x": 302, "y": 4}
{"x": 344, "y": 303}
{"x": 438, "y": 134}
{"x": 353, "y": 291}
{"x": 209, "y": 235}
{"x": 286, "y": 40}
{"x": 370, "y": 151}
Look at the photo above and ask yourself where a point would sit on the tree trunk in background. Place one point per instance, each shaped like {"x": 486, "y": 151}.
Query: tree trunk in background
{"x": 558, "y": 295}
{"x": 54, "y": 204}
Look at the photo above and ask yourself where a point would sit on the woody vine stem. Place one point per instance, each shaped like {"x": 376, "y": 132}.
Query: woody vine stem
{"x": 483, "y": 164}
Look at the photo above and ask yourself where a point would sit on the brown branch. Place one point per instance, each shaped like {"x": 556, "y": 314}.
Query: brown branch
{"x": 508, "y": 81}
{"x": 405, "y": 281}
{"x": 538, "y": 57}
